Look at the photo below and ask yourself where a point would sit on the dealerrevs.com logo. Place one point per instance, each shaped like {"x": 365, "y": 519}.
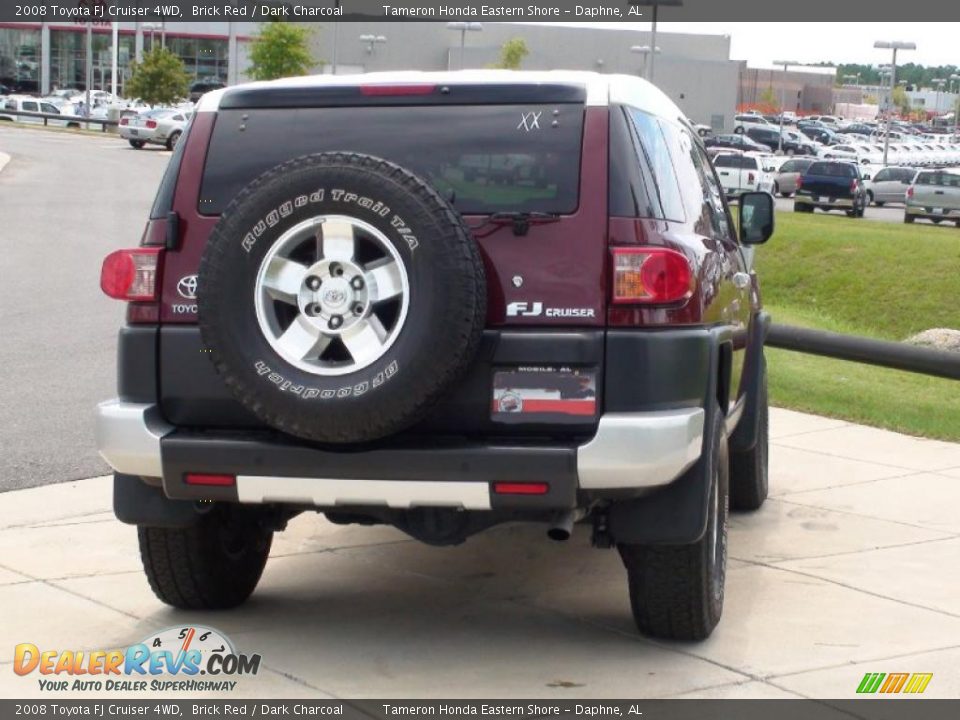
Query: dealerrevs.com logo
{"x": 184, "y": 659}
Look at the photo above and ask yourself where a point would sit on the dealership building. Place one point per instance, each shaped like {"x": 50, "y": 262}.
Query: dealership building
{"x": 694, "y": 70}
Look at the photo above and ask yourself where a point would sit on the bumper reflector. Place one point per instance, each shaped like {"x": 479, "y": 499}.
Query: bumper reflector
{"x": 507, "y": 488}
{"x": 217, "y": 480}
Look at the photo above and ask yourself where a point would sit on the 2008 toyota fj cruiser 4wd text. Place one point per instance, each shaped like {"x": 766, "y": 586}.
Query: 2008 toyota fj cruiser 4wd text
{"x": 442, "y": 302}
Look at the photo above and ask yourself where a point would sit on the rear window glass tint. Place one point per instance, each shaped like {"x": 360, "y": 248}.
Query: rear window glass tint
{"x": 795, "y": 166}
{"x": 484, "y": 158}
{"x": 736, "y": 161}
{"x": 832, "y": 170}
{"x": 939, "y": 179}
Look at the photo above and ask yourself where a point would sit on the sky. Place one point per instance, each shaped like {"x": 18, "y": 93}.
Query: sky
{"x": 763, "y": 43}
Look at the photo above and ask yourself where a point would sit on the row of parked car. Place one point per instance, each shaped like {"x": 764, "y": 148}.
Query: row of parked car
{"x": 823, "y": 184}
{"x": 758, "y": 135}
{"x": 139, "y": 123}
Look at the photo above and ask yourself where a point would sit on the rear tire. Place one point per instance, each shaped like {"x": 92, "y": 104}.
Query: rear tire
{"x": 880, "y": 203}
{"x": 136, "y": 144}
{"x": 909, "y": 219}
{"x": 676, "y": 591}
{"x": 173, "y": 140}
{"x": 212, "y": 565}
{"x": 749, "y": 471}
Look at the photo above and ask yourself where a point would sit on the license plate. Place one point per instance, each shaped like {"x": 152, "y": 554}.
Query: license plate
{"x": 544, "y": 394}
{"x": 817, "y": 198}
{"x": 938, "y": 211}
{"x": 134, "y": 132}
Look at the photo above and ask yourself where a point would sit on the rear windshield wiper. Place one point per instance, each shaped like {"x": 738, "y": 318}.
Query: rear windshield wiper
{"x": 521, "y": 221}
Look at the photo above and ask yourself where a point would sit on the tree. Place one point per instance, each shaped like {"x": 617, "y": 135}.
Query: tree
{"x": 769, "y": 97}
{"x": 281, "y": 49}
{"x": 512, "y": 53}
{"x": 900, "y": 99}
{"x": 159, "y": 79}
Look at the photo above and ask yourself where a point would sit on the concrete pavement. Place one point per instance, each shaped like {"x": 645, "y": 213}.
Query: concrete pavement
{"x": 851, "y": 567}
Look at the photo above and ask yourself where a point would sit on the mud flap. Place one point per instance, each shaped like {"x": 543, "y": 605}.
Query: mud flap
{"x": 744, "y": 436}
{"x": 675, "y": 514}
{"x": 137, "y": 503}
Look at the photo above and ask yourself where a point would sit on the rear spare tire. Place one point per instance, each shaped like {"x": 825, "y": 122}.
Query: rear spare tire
{"x": 340, "y": 297}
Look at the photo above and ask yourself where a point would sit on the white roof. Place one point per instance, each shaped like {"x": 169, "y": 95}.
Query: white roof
{"x": 601, "y": 89}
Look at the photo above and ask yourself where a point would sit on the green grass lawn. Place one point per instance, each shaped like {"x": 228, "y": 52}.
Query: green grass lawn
{"x": 864, "y": 278}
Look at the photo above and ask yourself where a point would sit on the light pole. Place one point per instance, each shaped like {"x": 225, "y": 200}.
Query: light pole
{"x": 892, "y": 45}
{"x": 372, "y": 41}
{"x": 783, "y": 98}
{"x": 644, "y": 51}
{"x": 464, "y": 28}
{"x": 939, "y": 82}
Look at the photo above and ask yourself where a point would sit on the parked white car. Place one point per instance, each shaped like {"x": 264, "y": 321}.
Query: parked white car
{"x": 744, "y": 173}
{"x": 156, "y": 127}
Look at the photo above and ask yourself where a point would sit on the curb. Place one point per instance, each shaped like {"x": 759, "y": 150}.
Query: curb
{"x": 4, "y": 159}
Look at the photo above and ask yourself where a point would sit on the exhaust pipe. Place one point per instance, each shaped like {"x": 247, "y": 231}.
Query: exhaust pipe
{"x": 562, "y": 526}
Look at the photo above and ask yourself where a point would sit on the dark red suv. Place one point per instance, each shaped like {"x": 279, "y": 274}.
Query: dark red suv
{"x": 441, "y": 302}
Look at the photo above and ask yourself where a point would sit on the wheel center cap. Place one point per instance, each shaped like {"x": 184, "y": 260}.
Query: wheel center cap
{"x": 335, "y": 295}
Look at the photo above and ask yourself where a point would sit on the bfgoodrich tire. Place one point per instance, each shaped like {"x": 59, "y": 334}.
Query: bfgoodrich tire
{"x": 676, "y": 591}
{"x": 211, "y": 565}
{"x": 340, "y": 297}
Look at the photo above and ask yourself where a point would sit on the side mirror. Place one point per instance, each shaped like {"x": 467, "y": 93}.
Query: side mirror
{"x": 756, "y": 218}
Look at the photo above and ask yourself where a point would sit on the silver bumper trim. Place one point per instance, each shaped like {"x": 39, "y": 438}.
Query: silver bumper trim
{"x": 640, "y": 450}
{"x": 325, "y": 492}
{"x": 630, "y": 450}
{"x": 128, "y": 437}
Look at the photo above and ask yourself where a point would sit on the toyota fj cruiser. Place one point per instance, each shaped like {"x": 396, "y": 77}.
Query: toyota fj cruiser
{"x": 441, "y": 302}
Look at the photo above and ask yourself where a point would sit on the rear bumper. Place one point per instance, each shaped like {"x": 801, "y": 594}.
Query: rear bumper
{"x": 824, "y": 202}
{"x": 926, "y": 211}
{"x": 631, "y": 451}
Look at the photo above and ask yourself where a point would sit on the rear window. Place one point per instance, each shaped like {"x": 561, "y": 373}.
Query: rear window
{"x": 483, "y": 158}
{"x": 940, "y": 179}
{"x": 736, "y": 161}
{"x": 832, "y": 170}
{"x": 795, "y": 166}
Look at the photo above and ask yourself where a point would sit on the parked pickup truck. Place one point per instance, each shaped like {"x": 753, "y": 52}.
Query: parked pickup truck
{"x": 934, "y": 195}
{"x": 831, "y": 185}
{"x": 744, "y": 173}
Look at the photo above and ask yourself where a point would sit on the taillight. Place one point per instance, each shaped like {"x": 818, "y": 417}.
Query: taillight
{"x": 517, "y": 488}
{"x": 396, "y": 89}
{"x": 151, "y": 124}
{"x": 124, "y": 121}
{"x": 910, "y": 191}
{"x": 750, "y": 179}
{"x": 210, "y": 480}
{"x": 132, "y": 274}
{"x": 799, "y": 182}
{"x": 853, "y": 186}
{"x": 651, "y": 276}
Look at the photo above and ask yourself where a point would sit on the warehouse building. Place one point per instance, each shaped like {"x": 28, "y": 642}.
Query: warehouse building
{"x": 694, "y": 70}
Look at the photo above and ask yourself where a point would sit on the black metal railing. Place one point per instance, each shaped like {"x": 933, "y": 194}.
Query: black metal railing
{"x": 68, "y": 120}
{"x": 883, "y": 353}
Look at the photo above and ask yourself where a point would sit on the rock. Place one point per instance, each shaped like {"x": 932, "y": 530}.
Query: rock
{"x": 939, "y": 338}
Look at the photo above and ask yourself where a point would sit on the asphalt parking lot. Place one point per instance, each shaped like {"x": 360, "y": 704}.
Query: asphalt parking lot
{"x": 888, "y": 213}
{"x": 66, "y": 200}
